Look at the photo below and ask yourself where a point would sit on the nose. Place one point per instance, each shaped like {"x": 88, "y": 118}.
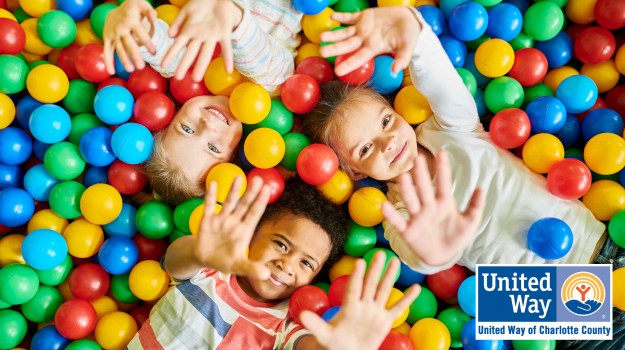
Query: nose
{"x": 285, "y": 264}
{"x": 388, "y": 143}
{"x": 208, "y": 125}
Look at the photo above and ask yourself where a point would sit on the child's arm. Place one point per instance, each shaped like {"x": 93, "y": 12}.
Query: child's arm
{"x": 223, "y": 238}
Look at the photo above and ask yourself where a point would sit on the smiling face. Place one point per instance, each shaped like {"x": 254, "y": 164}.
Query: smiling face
{"x": 203, "y": 134}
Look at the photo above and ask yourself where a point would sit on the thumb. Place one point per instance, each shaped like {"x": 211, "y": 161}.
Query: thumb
{"x": 317, "y": 326}
{"x": 475, "y": 209}
{"x": 257, "y": 270}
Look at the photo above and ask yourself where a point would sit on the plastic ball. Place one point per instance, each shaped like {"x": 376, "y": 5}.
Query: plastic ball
{"x": 300, "y": 93}
{"x": 468, "y": 21}
{"x": 16, "y": 207}
{"x": 533, "y": 92}
{"x": 530, "y": 67}
{"x": 146, "y": 80}
{"x": 557, "y": 50}
{"x": 44, "y": 249}
{"x": 510, "y": 128}
{"x": 383, "y": 80}
{"x": 34, "y": 45}
{"x": 556, "y": 76}
{"x": 407, "y": 276}
{"x": 605, "y": 153}
{"x": 620, "y": 59}
{"x": 95, "y": 175}
{"x": 95, "y": 146}
{"x": 81, "y": 123}
{"x": 494, "y": 58}
{"x": 11, "y": 249}
{"x": 316, "y": 67}
{"x": 294, "y": 143}
{"x": 219, "y": 81}
{"x": 127, "y": 178}
{"x": 48, "y": 338}
{"x": 42, "y": 307}
{"x": 541, "y": 151}
{"x": 445, "y": 284}
{"x": 264, "y": 148}
{"x": 183, "y": 211}
{"x": 393, "y": 298}
{"x": 468, "y": 79}
{"x": 13, "y": 37}
{"x": 75, "y": 319}
{"x": 154, "y": 110}
{"x": 39, "y": 183}
{"x": 569, "y": 179}
{"x": 11, "y": 176}
{"x": 148, "y": 281}
{"x": 396, "y": 341}
{"x": 115, "y": 330}
{"x": 155, "y": 220}
{"x": 141, "y": 314}
{"x": 90, "y": 63}
{"x": 313, "y": 26}
{"x": 570, "y": 132}
{"x": 46, "y": 219}
{"x": 311, "y": 8}
{"x": 365, "y": 206}
{"x": 309, "y": 298}
{"x": 120, "y": 289}
{"x": 132, "y": 143}
{"x": 20, "y": 284}
{"x": 469, "y": 341}
{"x": 615, "y": 99}
{"x": 467, "y": 296}
{"x": 360, "y": 240}
{"x": 124, "y": 224}
{"x": 118, "y": 255}
{"x": 412, "y": 105}
{"x": 114, "y": 105}
{"x": 594, "y": 45}
{"x": 447, "y": 6}
{"x": 505, "y": 22}
{"x": 65, "y": 199}
{"x": 7, "y": 111}
{"x": 14, "y": 73}
{"x": 543, "y": 20}
{"x": 434, "y": 17}
{"x": 336, "y": 294}
{"x": 104, "y": 305}
{"x": 79, "y": 98}
{"x": 605, "y": 75}
{"x": 601, "y": 121}
{"x": 250, "y": 103}
{"x": 50, "y": 124}
{"x": 503, "y": 93}
{"x": 610, "y": 14}
{"x": 84, "y": 239}
{"x": 89, "y": 282}
{"x": 101, "y": 204}
{"x": 279, "y": 118}
{"x": 454, "y": 319}
{"x": 317, "y": 164}
{"x": 430, "y": 333}
{"x": 389, "y": 255}
{"x": 358, "y": 76}
{"x": 98, "y": 17}
{"x": 56, "y": 29}
{"x": 604, "y": 199}
{"x": 456, "y": 50}
{"x": 224, "y": 174}
{"x": 77, "y": 10}
{"x": 150, "y": 249}
{"x": 338, "y": 189}
{"x": 186, "y": 89}
{"x": 546, "y": 114}
{"x": 272, "y": 178}
{"x": 47, "y": 83}
{"x": 63, "y": 161}
{"x": 550, "y": 238}
{"x": 66, "y": 61}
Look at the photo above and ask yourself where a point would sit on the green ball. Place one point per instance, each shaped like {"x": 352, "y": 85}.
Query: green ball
{"x": 522, "y": 41}
{"x": 81, "y": 123}
{"x": 324, "y": 43}
{"x": 63, "y": 161}
{"x": 21, "y": 15}
{"x": 573, "y": 152}
{"x": 80, "y": 96}
{"x": 248, "y": 128}
{"x": 98, "y": 18}
{"x": 42, "y": 307}
{"x": 151, "y": 2}
{"x": 454, "y": 319}
{"x": 4, "y": 305}
{"x": 351, "y": 6}
{"x": 474, "y": 44}
{"x": 530, "y": 93}
{"x": 294, "y": 143}
{"x": 19, "y": 284}
{"x": 616, "y": 228}
{"x": 389, "y": 255}
{"x": 279, "y": 118}
{"x": 83, "y": 344}
{"x": 469, "y": 80}
{"x": 36, "y": 64}
{"x": 56, "y": 29}
{"x": 22, "y": 58}
{"x": 175, "y": 234}
{"x": 502, "y": 93}
{"x": 543, "y": 21}
{"x": 488, "y": 2}
{"x": 183, "y": 211}
{"x": 324, "y": 286}
{"x": 360, "y": 240}
{"x": 155, "y": 220}
{"x": 13, "y": 73}
{"x": 425, "y": 306}
{"x": 612, "y": 177}
{"x": 13, "y": 328}
{"x": 120, "y": 288}
{"x": 57, "y": 275}
{"x": 559, "y": 3}
{"x": 65, "y": 199}
{"x": 534, "y": 344}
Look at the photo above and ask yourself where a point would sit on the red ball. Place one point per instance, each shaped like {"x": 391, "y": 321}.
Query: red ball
{"x": 186, "y": 89}
{"x": 75, "y": 319}
{"x": 89, "y": 282}
{"x": 569, "y": 179}
{"x": 127, "y": 178}
{"x": 317, "y": 164}
{"x": 599, "y": 104}
{"x": 530, "y": 67}
{"x": 396, "y": 341}
{"x": 615, "y": 99}
{"x": 271, "y": 177}
{"x": 4, "y": 230}
{"x": 79, "y": 261}
{"x": 510, "y": 128}
{"x": 574, "y": 31}
{"x": 594, "y": 45}
{"x": 308, "y": 298}
{"x": 141, "y": 314}
{"x": 66, "y": 61}
{"x": 12, "y": 37}
{"x": 3, "y": 4}
{"x": 445, "y": 284}
{"x": 610, "y": 14}
{"x": 317, "y": 67}
{"x": 300, "y": 93}
{"x": 90, "y": 63}
{"x": 113, "y": 81}
{"x": 149, "y": 249}
{"x": 337, "y": 290}
{"x": 360, "y": 75}
{"x": 154, "y": 110}
{"x": 144, "y": 80}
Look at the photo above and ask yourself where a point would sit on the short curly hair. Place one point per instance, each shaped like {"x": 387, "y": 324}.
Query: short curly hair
{"x": 304, "y": 200}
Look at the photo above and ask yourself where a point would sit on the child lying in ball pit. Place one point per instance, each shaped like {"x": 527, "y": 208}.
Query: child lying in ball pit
{"x": 257, "y": 38}
{"x": 236, "y": 303}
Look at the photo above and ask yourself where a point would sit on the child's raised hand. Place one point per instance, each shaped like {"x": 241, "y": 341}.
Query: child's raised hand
{"x": 436, "y": 230}
{"x": 376, "y": 31}
{"x": 199, "y": 26}
{"x": 125, "y": 25}
{"x": 363, "y": 321}
{"x": 224, "y": 238}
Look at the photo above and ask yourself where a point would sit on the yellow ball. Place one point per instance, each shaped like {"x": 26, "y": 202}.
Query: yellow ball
{"x": 412, "y": 105}
{"x": 66, "y": 293}
{"x": 34, "y": 44}
{"x": 219, "y": 81}
{"x": 403, "y": 328}
{"x": 250, "y": 103}
{"x": 101, "y": 204}
{"x": 384, "y": 3}
{"x": 85, "y": 35}
{"x": 30, "y": 58}
{"x": 224, "y": 174}
{"x": 604, "y": 199}
{"x": 343, "y": 267}
{"x": 83, "y": 238}
{"x": 196, "y": 217}
{"x": 605, "y": 74}
{"x": 6, "y": 14}
{"x": 39, "y": 326}
{"x": 339, "y": 188}
{"x": 430, "y": 334}
{"x": 424, "y": 2}
{"x": 11, "y": 250}
{"x": 104, "y": 305}
{"x": 494, "y": 58}
{"x": 46, "y": 218}
{"x": 53, "y": 56}
{"x": 167, "y": 13}
{"x": 365, "y": 206}
{"x": 620, "y": 59}
{"x": 264, "y": 148}
{"x": 618, "y": 278}
{"x": 115, "y": 330}
{"x": 36, "y": 8}
{"x": 605, "y": 154}
{"x": 393, "y": 298}
{"x": 179, "y": 3}
{"x": 305, "y": 51}
{"x": 580, "y": 11}
{"x": 47, "y": 83}
{"x": 7, "y": 111}
{"x": 542, "y": 151}
{"x": 557, "y": 75}
{"x": 148, "y": 281}
{"x": 313, "y": 26}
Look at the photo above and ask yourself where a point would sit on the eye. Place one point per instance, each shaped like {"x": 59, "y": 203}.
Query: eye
{"x": 213, "y": 148}
{"x": 280, "y": 244}
{"x": 365, "y": 149}
{"x": 187, "y": 129}
{"x": 386, "y": 120}
{"x": 307, "y": 264}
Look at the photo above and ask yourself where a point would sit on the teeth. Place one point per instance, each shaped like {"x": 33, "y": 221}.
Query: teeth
{"x": 218, "y": 115}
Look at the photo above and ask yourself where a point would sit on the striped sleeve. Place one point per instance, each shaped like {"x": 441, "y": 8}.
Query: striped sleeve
{"x": 290, "y": 335}
{"x": 163, "y": 43}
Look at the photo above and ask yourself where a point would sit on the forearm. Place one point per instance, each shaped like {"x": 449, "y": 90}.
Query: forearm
{"x": 180, "y": 260}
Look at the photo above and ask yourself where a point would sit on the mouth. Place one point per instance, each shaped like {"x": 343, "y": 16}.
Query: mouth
{"x": 401, "y": 152}
{"x": 273, "y": 279}
{"x": 219, "y": 114}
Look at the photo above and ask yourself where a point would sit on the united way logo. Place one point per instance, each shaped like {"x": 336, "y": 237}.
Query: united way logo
{"x": 583, "y": 293}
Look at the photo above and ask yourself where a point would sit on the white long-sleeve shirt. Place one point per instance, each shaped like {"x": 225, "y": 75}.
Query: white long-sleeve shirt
{"x": 516, "y": 197}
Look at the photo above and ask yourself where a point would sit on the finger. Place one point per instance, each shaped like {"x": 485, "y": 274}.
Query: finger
{"x": 256, "y": 212}
{"x": 410, "y": 296}
{"x": 423, "y": 181}
{"x": 109, "y": 57}
{"x": 144, "y": 38}
{"x": 385, "y": 287}
{"x": 189, "y": 57}
{"x": 210, "y": 201}
{"x": 132, "y": 46}
{"x": 443, "y": 175}
{"x": 394, "y": 217}
{"x": 317, "y": 326}
{"x": 475, "y": 209}
{"x": 233, "y": 196}
{"x": 341, "y": 47}
{"x": 226, "y": 50}
{"x": 251, "y": 194}
{"x": 355, "y": 61}
{"x": 354, "y": 285}
{"x": 338, "y": 35}
{"x": 374, "y": 270}
{"x": 175, "y": 49}
{"x": 175, "y": 26}
{"x": 346, "y": 17}
{"x": 253, "y": 269}
{"x": 402, "y": 57}
{"x": 123, "y": 56}
{"x": 409, "y": 194}
{"x": 206, "y": 53}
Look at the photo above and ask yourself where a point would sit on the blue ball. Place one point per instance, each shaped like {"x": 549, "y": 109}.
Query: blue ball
{"x": 95, "y": 146}
{"x": 96, "y": 175}
{"x": 522, "y": 5}
{"x": 118, "y": 255}
{"x": 448, "y": 6}
{"x": 383, "y": 80}
{"x": 114, "y": 104}
{"x": 50, "y": 123}
{"x": 469, "y": 65}
{"x": 434, "y": 17}
{"x": 558, "y": 50}
{"x": 570, "y": 132}
{"x": 24, "y": 109}
{"x": 367, "y": 182}
{"x": 547, "y": 115}
{"x": 550, "y": 238}
{"x": 468, "y": 21}
{"x": 456, "y": 50}
{"x": 621, "y": 176}
{"x": 44, "y": 249}
{"x": 124, "y": 224}
{"x": 469, "y": 342}
{"x": 480, "y": 103}
{"x": 578, "y": 93}
{"x": 132, "y": 143}
{"x": 379, "y": 232}
{"x": 76, "y": 9}
{"x": 40, "y": 149}
{"x": 507, "y": 345}
{"x": 16, "y": 207}
{"x": 11, "y": 176}
{"x": 446, "y": 30}
{"x": 15, "y": 146}
{"x": 311, "y": 7}
{"x": 330, "y": 313}
{"x": 120, "y": 71}
{"x": 39, "y": 183}
{"x": 408, "y": 277}
{"x": 48, "y": 338}
{"x": 505, "y": 22}
{"x": 601, "y": 121}
{"x": 467, "y": 297}
{"x": 246, "y": 163}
